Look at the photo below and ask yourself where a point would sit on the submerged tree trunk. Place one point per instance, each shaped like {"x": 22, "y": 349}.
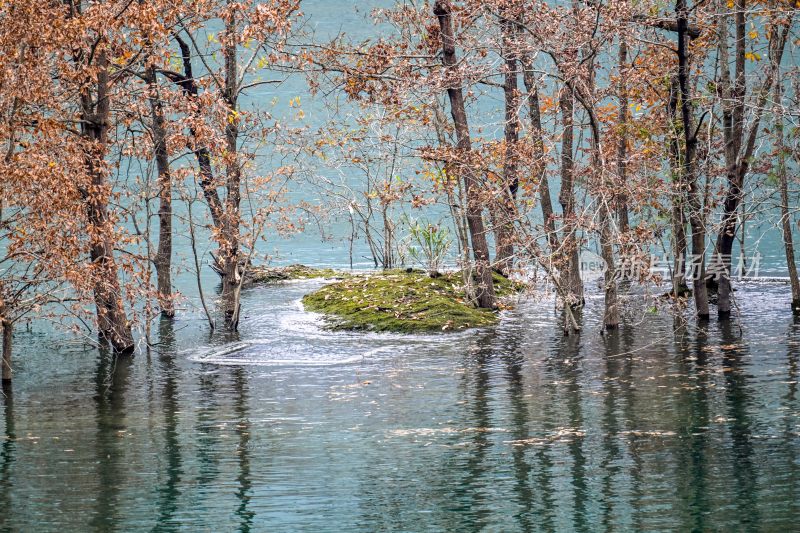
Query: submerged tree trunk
{"x": 739, "y": 146}
{"x": 689, "y": 166}
{"x": 480, "y": 247}
{"x": 555, "y": 267}
{"x": 783, "y": 183}
{"x": 8, "y": 333}
{"x": 163, "y": 258}
{"x": 733, "y": 124}
{"x": 611, "y": 300}
{"x": 504, "y": 231}
{"x": 678, "y": 214}
{"x": 113, "y": 324}
{"x": 573, "y": 286}
{"x": 622, "y": 143}
{"x": 605, "y": 198}
{"x": 229, "y": 247}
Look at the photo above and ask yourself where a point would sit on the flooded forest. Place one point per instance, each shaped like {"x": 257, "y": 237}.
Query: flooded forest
{"x": 416, "y": 265}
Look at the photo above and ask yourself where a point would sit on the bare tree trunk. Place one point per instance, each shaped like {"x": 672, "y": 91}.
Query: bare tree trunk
{"x": 456, "y": 203}
{"x": 573, "y": 286}
{"x": 540, "y": 171}
{"x": 113, "y": 323}
{"x": 480, "y": 248}
{"x": 187, "y": 82}
{"x": 679, "y": 287}
{"x": 689, "y": 165}
{"x": 504, "y": 231}
{"x": 193, "y": 242}
{"x": 787, "y": 232}
{"x": 611, "y": 300}
{"x": 229, "y": 247}
{"x": 8, "y": 334}
{"x": 739, "y": 146}
{"x": 733, "y": 127}
{"x": 783, "y": 182}
{"x": 540, "y": 168}
{"x": 622, "y": 144}
{"x": 163, "y": 258}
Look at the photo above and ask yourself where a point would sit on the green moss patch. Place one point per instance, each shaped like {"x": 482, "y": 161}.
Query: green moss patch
{"x": 264, "y": 274}
{"x": 403, "y": 302}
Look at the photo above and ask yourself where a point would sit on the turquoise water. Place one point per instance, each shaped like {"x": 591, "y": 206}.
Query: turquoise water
{"x": 514, "y": 428}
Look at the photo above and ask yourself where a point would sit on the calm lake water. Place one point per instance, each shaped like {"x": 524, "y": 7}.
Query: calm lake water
{"x": 515, "y": 428}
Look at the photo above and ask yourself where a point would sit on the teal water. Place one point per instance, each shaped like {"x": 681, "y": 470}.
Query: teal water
{"x": 515, "y": 428}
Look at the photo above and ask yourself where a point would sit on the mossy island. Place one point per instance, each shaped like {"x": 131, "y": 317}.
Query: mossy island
{"x": 401, "y": 301}
{"x": 269, "y": 274}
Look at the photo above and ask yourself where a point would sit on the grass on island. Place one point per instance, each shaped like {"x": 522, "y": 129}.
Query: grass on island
{"x": 403, "y": 302}
{"x": 264, "y": 274}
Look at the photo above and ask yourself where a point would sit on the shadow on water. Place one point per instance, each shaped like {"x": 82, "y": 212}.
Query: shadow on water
{"x": 206, "y": 427}
{"x": 792, "y": 360}
{"x": 702, "y": 354}
{"x": 565, "y": 363}
{"x": 791, "y": 428}
{"x": 470, "y": 493}
{"x": 170, "y": 489}
{"x": 243, "y": 429}
{"x": 693, "y": 423}
{"x": 7, "y": 454}
{"x": 536, "y": 441}
{"x": 111, "y": 382}
{"x": 739, "y": 401}
{"x": 618, "y": 415}
{"x": 543, "y": 464}
{"x": 514, "y": 362}
{"x": 562, "y": 390}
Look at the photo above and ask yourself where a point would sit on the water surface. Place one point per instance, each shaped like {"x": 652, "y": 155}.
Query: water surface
{"x": 513, "y": 428}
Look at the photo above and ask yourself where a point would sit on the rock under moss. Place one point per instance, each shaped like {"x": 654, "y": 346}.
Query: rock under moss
{"x": 403, "y": 302}
{"x": 264, "y": 274}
